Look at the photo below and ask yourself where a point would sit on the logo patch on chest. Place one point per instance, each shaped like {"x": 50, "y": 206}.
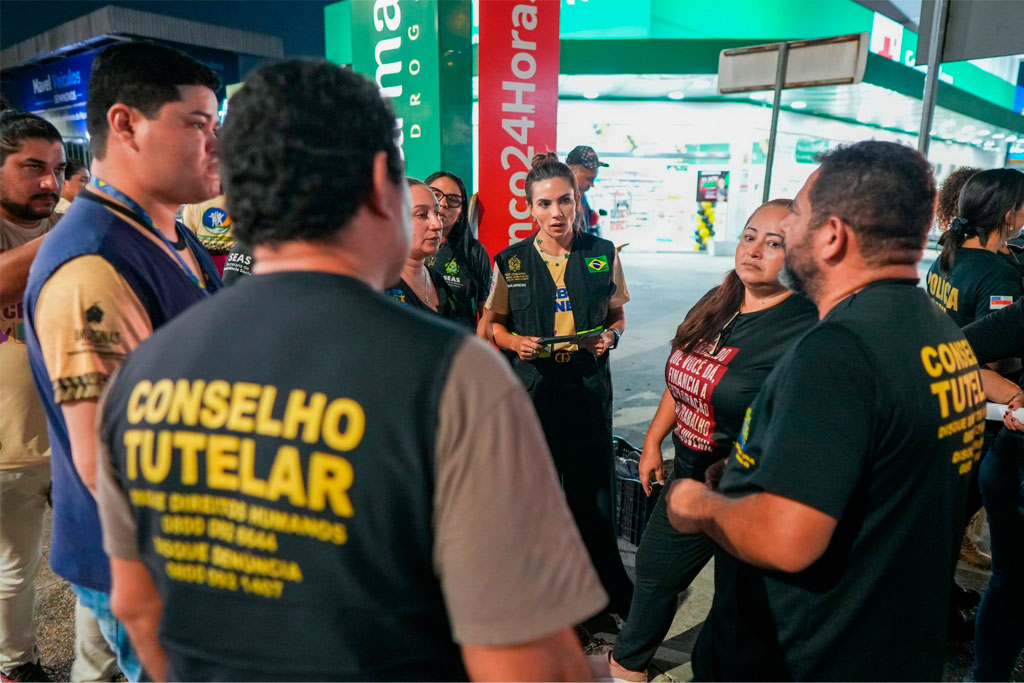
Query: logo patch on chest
{"x": 598, "y": 264}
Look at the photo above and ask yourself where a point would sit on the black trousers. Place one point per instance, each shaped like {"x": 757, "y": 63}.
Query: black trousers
{"x": 666, "y": 564}
{"x": 573, "y": 400}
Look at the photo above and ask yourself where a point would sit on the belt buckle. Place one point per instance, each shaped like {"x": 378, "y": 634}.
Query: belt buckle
{"x": 562, "y": 356}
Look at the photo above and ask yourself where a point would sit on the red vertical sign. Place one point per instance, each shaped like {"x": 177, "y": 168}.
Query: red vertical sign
{"x": 518, "y": 109}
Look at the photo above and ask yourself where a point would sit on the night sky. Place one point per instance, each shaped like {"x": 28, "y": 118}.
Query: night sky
{"x": 299, "y": 23}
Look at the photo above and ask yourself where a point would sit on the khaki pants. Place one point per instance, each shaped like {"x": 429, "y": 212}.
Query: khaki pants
{"x": 93, "y": 659}
{"x": 22, "y": 505}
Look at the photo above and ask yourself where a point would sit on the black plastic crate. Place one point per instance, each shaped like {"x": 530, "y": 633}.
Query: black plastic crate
{"x": 632, "y": 507}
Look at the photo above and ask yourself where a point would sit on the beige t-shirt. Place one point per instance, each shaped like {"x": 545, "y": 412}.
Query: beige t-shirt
{"x": 211, "y": 223}
{"x": 23, "y": 437}
{"x": 507, "y": 552}
{"x": 88, "y": 319}
{"x": 565, "y": 324}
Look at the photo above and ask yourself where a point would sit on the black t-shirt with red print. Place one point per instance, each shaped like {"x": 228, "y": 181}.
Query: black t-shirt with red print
{"x": 712, "y": 392}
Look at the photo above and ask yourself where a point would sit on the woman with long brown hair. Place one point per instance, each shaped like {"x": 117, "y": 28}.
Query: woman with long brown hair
{"x": 720, "y": 357}
{"x": 564, "y": 285}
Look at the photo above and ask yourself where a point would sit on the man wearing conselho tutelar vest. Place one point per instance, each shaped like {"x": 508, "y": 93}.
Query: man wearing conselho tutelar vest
{"x": 333, "y": 491}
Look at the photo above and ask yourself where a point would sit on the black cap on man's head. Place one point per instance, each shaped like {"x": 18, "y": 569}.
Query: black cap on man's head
{"x": 584, "y": 156}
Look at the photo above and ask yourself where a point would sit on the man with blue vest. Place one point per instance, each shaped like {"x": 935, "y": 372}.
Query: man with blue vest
{"x": 116, "y": 268}
{"x": 340, "y": 488}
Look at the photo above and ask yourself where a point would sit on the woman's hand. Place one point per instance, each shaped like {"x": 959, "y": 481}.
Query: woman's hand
{"x": 598, "y": 344}
{"x": 526, "y": 347}
{"x": 650, "y": 463}
{"x": 1009, "y": 420}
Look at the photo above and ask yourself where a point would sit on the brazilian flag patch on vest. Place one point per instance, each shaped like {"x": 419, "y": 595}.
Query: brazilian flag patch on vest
{"x": 598, "y": 264}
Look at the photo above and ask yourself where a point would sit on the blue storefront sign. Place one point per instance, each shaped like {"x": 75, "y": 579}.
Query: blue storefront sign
{"x": 60, "y": 90}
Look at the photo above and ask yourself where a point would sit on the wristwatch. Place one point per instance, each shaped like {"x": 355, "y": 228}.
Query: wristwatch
{"x": 618, "y": 336}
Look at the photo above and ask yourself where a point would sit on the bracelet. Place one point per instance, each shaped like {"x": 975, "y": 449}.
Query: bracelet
{"x": 1009, "y": 400}
{"x": 618, "y": 336}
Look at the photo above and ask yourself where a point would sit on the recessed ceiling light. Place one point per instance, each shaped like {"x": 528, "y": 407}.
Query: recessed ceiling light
{"x": 984, "y": 132}
{"x": 976, "y": 141}
{"x": 1012, "y": 138}
{"x": 799, "y": 104}
{"x": 998, "y": 136}
{"x": 759, "y": 96}
{"x": 968, "y": 128}
{"x": 676, "y": 95}
{"x": 591, "y": 94}
{"x": 933, "y": 132}
{"x": 949, "y": 122}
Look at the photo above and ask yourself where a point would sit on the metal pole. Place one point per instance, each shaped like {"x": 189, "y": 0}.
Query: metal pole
{"x": 931, "y": 79}
{"x": 780, "y": 83}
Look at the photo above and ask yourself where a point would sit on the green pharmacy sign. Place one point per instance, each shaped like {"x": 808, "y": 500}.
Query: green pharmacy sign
{"x": 409, "y": 47}
{"x": 807, "y": 149}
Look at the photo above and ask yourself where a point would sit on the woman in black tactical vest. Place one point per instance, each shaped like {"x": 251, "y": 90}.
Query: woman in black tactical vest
{"x": 560, "y": 283}
{"x": 720, "y": 357}
{"x": 970, "y": 280}
{"x": 461, "y": 259}
{"x": 946, "y": 211}
{"x": 420, "y": 287}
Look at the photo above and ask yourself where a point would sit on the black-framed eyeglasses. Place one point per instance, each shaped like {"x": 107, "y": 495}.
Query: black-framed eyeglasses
{"x": 454, "y": 200}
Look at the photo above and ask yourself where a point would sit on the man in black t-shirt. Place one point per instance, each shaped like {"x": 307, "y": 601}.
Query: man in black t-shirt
{"x": 839, "y": 516}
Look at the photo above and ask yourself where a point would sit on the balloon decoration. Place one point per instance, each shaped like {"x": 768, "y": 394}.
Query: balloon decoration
{"x": 705, "y": 230}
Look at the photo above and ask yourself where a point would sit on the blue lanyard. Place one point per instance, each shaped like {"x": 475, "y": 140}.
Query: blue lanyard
{"x": 144, "y": 218}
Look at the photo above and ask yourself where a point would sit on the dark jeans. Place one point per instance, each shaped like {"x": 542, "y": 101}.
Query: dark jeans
{"x": 573, "y": 402}
{"x": 999, "y": 636}
{"x": 666, "y": 563}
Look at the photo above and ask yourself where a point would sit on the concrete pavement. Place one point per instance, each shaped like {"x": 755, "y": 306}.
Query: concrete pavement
{"x": 663, "y": 288}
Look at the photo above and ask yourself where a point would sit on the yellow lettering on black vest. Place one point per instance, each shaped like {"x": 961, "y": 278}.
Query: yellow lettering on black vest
{"x": 330, "y": 478}
{"x": 190, "y": 444}
{"x": 355, "y": 424}
{"x": 243, "y": 407}
{"x": 215, "y": 404}
{"x": 222, "y": 462}
{"x": 136, "y": 410}
{"x": 133, "y": 442}
{"x": 928, "y": 356}
{"x": 265, "y": 424}
{"x": 156, "y": 463}
{"x": 286, "y": 477}
{"x": 159, "y": 401}
{"x": 308, "y": 415}
{"x": 250, "y": 483}
{"x": 185, "y": 404}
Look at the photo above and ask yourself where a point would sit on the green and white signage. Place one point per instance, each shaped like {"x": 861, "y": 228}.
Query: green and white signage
{"x": 397, "y": 43}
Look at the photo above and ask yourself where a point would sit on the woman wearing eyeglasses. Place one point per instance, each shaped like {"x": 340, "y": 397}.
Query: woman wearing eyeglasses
{"x": 461, "y": 259}
{"x": 720, "y": 357}
{"x": 420, "y": 287}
